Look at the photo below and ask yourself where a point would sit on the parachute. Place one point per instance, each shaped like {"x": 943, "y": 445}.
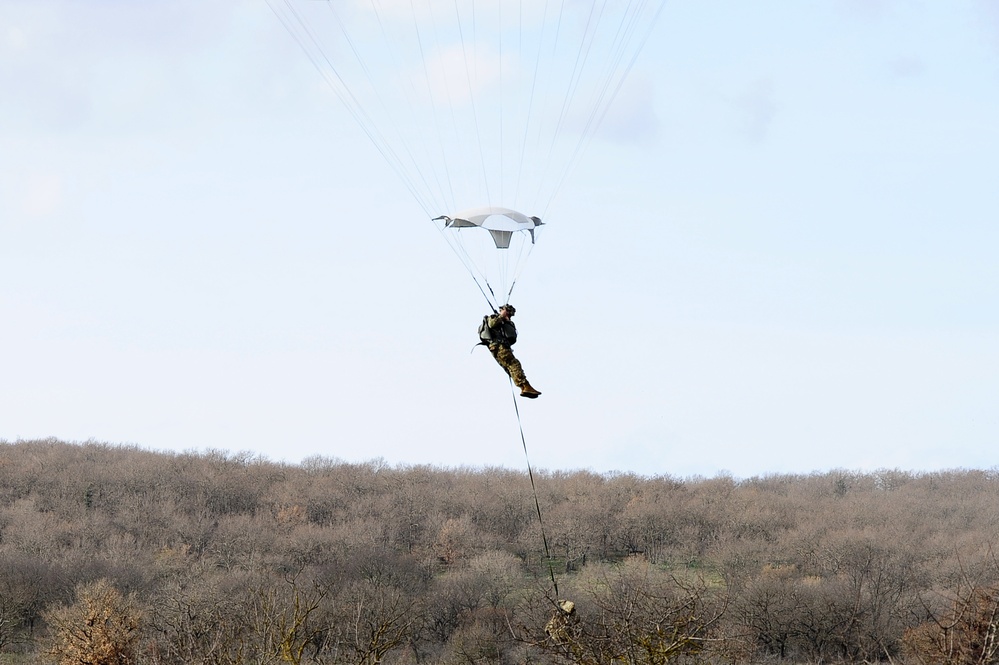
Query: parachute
{"x": 481, "y": 107}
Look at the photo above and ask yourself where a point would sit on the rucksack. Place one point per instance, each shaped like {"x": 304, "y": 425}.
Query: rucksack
{"x": 485, "y": 333}
{"x": 498, "y": 335}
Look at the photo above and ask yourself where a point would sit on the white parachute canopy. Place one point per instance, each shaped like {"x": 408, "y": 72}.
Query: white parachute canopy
{"x": 475, "y": 104}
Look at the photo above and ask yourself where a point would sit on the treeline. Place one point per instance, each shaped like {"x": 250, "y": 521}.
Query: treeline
{"x": 116, "y": 555}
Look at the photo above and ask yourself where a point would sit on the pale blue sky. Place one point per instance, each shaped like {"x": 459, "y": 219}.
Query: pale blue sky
{"x": 779, "y": 255}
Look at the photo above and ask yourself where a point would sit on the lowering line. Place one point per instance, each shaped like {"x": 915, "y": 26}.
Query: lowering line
{"x": 530, "y": 474}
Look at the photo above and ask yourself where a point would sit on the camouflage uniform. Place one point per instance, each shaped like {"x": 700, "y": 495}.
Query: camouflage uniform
{"x": 504, "y": 334}
{"x": 561, "y": 628}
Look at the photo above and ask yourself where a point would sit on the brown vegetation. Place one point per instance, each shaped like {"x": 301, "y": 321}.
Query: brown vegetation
{"x": 116, "y": 555}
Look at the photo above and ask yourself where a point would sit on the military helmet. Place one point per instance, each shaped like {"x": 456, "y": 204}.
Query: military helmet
{"x": 510, "y": 308}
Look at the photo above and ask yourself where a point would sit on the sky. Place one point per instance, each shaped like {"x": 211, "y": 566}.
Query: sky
{"x": 777, "y": 255}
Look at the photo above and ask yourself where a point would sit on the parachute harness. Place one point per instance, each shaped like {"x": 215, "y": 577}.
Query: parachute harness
{"x": 534, "y": 489}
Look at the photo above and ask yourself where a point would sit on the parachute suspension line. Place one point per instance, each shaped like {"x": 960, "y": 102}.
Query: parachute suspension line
{"x": 545, "y": 83}
{"x": 582, "y": 53}
{"x": 457, "y": 246}
{"x": 518, "y": 265}
{"x": 530, "y": 104}
{"x": 534, "y": 489}
{"x": 299, "y": 36}
{"x": 581, "y": 57}
{"x": 483, "y": 285}
{"x": 506, "y": 271}
{"x": 433, "y": 103}
{"x": 313, "y": 50}
{"x": 554, "y": 134}
{"x": 492, "y": 302}
{"x": 357, "y": 110}
{"x": 471, "y": 88}
{"x": 607, "y": 96}
{"x": 451, "y": 107}
{"x": 499, "y": 42}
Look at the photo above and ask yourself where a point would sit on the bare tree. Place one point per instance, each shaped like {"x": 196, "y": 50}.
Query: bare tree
{"x": 634, "y": 614}
{"x": 203, "y": 615}
{"x": 369, "y": 619}
{"x": 286, "y": 619}
{"x": 963, "y": 625}
{"x": 100, "y": 628}
{"x": 968, "y": 634}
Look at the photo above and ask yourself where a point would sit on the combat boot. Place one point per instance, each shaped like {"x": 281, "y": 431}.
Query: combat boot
{"x": 528, "y": 391}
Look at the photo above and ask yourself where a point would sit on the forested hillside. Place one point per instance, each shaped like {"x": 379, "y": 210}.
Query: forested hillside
{"x": 117, "y": 555}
